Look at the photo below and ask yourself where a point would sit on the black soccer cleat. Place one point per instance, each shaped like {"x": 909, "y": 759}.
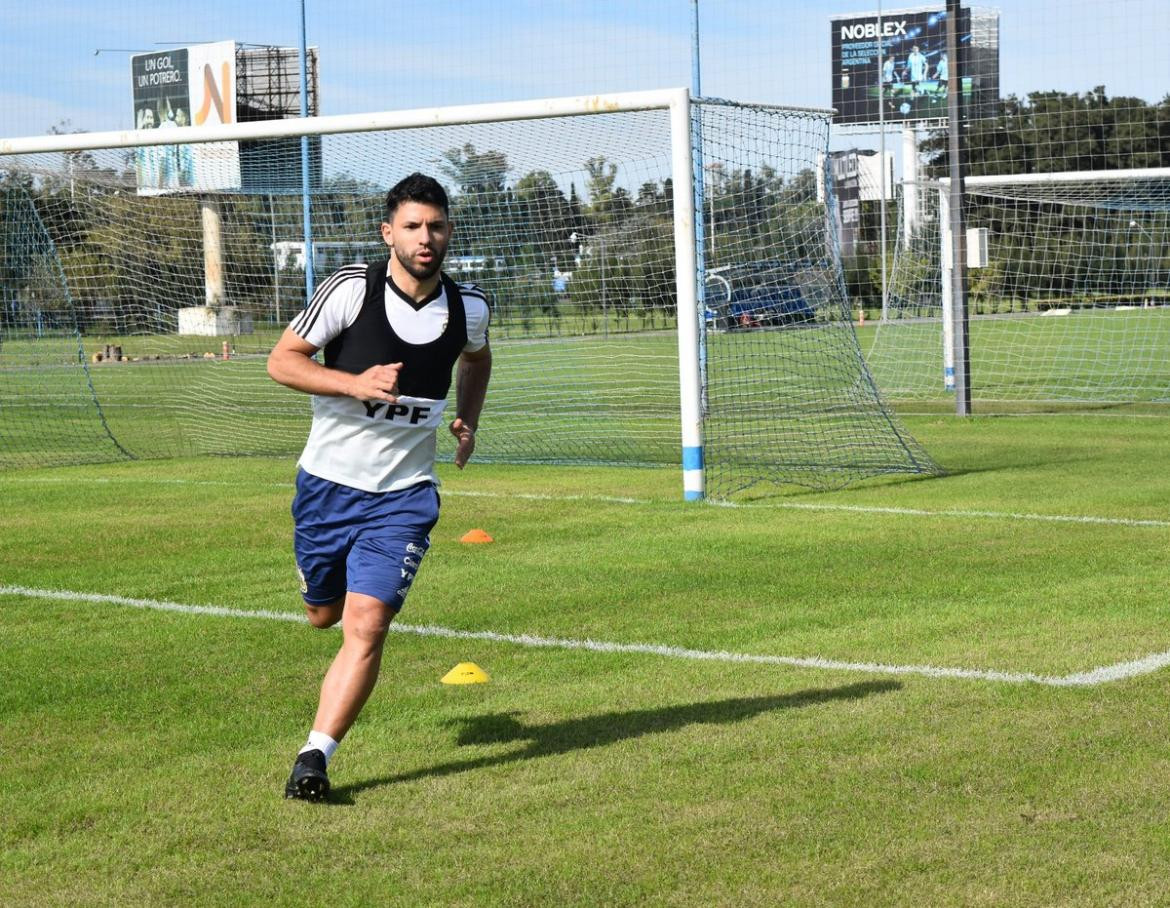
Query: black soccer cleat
{"x": 308, "y": 781}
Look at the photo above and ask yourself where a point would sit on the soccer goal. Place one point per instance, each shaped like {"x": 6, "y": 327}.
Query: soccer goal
{"x": 1069, "y": 291}
{"x": 145, "y": 276}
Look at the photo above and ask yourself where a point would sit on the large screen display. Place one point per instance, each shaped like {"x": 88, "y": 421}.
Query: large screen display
{"x": 897, "y": 70}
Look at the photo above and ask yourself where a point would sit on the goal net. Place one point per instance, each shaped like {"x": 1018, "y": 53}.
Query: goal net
{"x": 141, "y": 297}
{"x": 1071, "y": 307}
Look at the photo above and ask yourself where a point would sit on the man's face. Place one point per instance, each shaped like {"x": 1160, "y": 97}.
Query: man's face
{"x": 418, "y": 237}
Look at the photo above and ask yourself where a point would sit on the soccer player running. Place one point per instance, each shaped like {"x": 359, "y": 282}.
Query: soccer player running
{"x": 366, "y": 490}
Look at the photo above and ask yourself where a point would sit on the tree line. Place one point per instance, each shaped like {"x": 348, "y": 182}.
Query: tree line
{"x": 1045, "y": 251}
{"x": 82, "y": 245}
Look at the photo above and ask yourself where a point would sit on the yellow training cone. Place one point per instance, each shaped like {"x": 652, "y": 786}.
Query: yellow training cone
{"x": 475, "y": 536}
{"x": 466, "y": 673}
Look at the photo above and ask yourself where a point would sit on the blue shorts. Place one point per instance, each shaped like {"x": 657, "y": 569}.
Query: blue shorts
{"x": 347, "y": 540}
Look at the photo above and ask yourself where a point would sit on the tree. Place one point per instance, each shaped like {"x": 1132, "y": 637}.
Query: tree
{"x": 545, "y": 219}
{"x": 22, "y": 241}
{"x": 1058, "y": 250}
{"x": 1055, "y": 131}
{"x": 481, "y": 204}
{"x": 608, "y": 203}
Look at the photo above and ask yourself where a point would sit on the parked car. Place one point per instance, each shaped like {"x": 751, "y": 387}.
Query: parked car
{"x": 756, "y": 295}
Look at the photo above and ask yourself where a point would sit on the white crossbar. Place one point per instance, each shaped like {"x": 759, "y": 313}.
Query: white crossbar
{"x": 581, "y": 105}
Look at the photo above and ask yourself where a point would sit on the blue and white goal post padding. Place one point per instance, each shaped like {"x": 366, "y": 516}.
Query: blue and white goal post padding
{"x": 686, "y": 274}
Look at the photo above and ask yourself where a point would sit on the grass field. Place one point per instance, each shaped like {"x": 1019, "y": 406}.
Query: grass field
{"x": 792, "y": 402}
{"x": 945, "y": 691}
{"x": 179, "y": 399}
{"x": 1085, "y": 355}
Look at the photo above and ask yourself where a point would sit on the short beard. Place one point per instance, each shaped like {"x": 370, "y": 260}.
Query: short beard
{"x": 420, "y": 272}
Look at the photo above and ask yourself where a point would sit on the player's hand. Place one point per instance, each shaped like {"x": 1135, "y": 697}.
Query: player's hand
{"x": 466, "y": 446}
{"x": 377, "y": 383}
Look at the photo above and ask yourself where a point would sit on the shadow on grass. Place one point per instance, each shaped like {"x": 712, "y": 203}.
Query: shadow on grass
{"x": 606, "y": 728}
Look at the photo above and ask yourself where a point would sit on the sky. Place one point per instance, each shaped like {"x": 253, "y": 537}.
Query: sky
{"x": 65, "y": 64}
{"x": 69, "y": 61}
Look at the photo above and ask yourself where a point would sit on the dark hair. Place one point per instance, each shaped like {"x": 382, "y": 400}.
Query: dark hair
{"x": 417, "y": 187}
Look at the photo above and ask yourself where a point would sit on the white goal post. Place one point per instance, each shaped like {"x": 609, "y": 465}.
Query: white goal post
{"x": 1065, "y": 187}
{"x": 1070, "y": 300}
{"x": 677, "y": 101}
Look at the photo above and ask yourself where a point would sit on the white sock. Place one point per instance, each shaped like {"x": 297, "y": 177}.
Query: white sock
{"x": 318, "y": 740}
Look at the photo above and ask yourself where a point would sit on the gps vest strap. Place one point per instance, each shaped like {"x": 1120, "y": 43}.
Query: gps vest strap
{"x": 371, "y": 340}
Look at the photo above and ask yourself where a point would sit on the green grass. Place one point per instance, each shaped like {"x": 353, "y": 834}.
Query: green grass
{"x": 1085, "y": 356}
{"x": 145, "y": 751}
{"x": 584, "y": 399}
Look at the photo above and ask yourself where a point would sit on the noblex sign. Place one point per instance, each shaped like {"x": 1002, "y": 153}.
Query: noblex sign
{"x": 895, "y": 68}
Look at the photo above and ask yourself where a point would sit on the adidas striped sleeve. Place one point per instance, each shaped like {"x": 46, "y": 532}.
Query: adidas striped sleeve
{"x": 335, "y": 306}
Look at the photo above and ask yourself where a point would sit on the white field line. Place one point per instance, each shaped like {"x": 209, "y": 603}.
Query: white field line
{"x": 963, "y": 514}
{"x": 957, "y": 513}
{"x": 1091, "y": 414}
{"x": 1092, "y": 678}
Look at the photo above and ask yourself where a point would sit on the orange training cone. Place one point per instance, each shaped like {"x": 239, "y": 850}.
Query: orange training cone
{"x": 475, "y": 536}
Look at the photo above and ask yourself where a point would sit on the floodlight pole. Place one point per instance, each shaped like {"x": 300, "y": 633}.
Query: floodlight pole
{"x": 957, "y": 166}
{"x": 306, "y": 204}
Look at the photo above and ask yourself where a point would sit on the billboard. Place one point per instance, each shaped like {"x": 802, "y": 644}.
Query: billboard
{"x": 845, "y": 170}
{"x": 186, "y": 86}
{"x": 898, "y": 71}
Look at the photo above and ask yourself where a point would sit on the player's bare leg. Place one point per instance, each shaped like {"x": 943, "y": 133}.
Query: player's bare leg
{"x": 347, "y": 686}
{"x": 322, "y": 616}
{"x": 354, "y": 671}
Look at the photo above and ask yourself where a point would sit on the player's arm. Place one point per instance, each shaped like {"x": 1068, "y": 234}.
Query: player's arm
{"x": 471, "y": 382}
{"x": 291, "y": 363}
